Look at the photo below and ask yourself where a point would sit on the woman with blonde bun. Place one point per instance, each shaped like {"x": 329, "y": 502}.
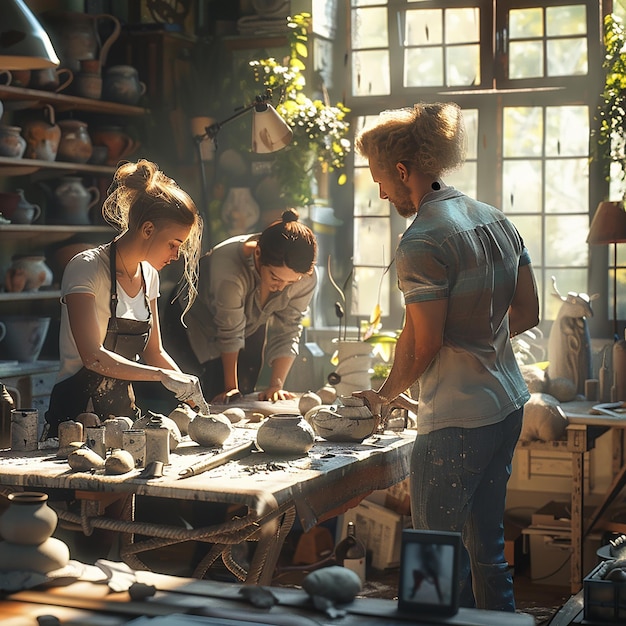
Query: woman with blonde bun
{"x": 110, "y": 335}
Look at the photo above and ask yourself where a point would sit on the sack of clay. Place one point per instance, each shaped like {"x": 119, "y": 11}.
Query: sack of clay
{"x": 544, "y": 419}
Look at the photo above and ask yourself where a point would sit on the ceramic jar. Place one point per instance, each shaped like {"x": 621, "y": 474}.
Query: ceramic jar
{"x": 34, "y": 269}
{"x": 72, "y": 201}
{"x": 42, "y": 137}
{"x": 285, "y": 433}
{"x": 75, "y": 145}
{"x": 121, "y": 84}
{"x": 26, "y": 527}
{"x": 119, "y": 143}
{"x": 12, "y": 144}
{"x": 29, "y": 519}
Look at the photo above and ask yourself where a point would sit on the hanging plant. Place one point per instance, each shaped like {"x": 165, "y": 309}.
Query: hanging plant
{"x": 320, "y": 130}
{"x": 611, "y": 133}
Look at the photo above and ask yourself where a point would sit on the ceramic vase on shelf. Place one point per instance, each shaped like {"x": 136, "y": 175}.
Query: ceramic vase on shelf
{"x": 42, "y": 136}
{"x": 27, "y": 527}
{"x": 12, "y": 144}
{"x": 285, "y": 433}
{"x": 71, "y": 200}
{"x": 33, "y": 269}
{"x": 75, "y": 145}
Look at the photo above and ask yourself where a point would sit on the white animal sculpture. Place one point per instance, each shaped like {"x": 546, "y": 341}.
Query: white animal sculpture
{"x": 569, "y": 344}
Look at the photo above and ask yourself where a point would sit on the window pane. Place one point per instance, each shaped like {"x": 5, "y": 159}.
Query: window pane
{"x": 423, "y": 67}
{"x": 462, "y": 25}
{"x": 526, "y": 59}
{"x": 370, "y": 73}
{"x": 567, "y": 57}
{"x": 369, "y": 28}
{"x": 523, "y": 131}
{"x": 570, "y": 194}
{"x": 462, "y": 65}
{"x": 364, "y": 3}
{"x": 367, "y": 200}
{"x": 522, "y": 185}
{"x": 529, "y": 228}
{"x": 566, "y": 240}
{"x": 566, "y": 20}
{"x": 525, "y": 23}
{"x": 371, "y": 241}
{"x": 423, "y": 28}
{"x": 567, "y": 131}
{"x": 364, "y": 296}
{"x": 465, "y": 179}
{"x": 470, "y": 117}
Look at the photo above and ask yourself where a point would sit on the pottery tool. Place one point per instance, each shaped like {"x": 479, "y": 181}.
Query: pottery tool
{"x": 238, "y": 452}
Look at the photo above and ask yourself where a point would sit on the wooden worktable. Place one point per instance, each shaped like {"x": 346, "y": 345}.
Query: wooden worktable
{"x": 322, "y": 483}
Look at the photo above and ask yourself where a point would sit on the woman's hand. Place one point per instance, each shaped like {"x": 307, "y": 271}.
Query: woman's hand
{"x": 227, "y": 397}
{"x": 186, "y": 388}
{"x": 273, "y": 394}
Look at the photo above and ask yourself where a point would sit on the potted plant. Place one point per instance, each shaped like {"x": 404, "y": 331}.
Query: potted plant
{"x": 320, "y": 130}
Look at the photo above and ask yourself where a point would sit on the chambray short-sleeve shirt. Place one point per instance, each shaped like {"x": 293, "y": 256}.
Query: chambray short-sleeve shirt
{"x": 468, "y": 252}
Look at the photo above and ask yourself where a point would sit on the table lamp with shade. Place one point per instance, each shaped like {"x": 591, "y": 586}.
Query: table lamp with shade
{"x": 270, "y": 133}
{"x": 609, "y": 226}
{"x": 24, "y": 44}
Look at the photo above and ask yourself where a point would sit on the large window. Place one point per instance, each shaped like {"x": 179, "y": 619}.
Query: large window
{"x": 527, "y": 75}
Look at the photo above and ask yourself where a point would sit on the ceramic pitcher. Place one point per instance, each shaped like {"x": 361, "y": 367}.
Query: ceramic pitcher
{"x": 71, "y": 200}
{"x": 76, "y": 36}
{"x": 121, "y": 84}
{"x": 42, "y": 136}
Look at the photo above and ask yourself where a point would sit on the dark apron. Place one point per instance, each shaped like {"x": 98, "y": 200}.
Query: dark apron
{"x": 88, "y": 391}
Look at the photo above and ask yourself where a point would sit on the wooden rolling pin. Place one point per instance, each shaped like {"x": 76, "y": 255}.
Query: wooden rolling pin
{"x": 238, "y": 452}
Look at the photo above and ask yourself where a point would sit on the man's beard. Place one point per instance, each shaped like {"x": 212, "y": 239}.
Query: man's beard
{"x": 402, "y": 202}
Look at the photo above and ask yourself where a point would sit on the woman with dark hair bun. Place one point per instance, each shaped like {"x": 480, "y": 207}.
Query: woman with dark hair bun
{"x": 246, "y": 284}
{"x": 110, "y": 336}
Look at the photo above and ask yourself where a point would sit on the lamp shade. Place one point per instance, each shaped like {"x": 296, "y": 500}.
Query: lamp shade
{"x": 608, "y": 224}
{"x": 270, "y": 132}
{"x": 24, "y": 44}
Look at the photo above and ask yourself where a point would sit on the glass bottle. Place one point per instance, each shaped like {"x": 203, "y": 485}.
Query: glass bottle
{"x": 350, "y": 552}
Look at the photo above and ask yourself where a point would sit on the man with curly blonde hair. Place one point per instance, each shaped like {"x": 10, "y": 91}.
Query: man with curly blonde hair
{"x": 468, "y": 286}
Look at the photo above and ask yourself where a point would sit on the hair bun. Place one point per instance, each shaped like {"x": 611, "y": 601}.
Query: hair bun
{"x": 290, "y": 215}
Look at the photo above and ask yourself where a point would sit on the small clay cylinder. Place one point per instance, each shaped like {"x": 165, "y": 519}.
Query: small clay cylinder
{"x": 70, "y": 431}
{"x": 591, "y": 389}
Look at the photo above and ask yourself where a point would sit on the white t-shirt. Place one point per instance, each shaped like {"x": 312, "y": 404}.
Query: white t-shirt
{"x": 88, "y": 272}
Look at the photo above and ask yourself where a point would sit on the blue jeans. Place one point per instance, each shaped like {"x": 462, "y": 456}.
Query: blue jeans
{"x": 458, "y": 483}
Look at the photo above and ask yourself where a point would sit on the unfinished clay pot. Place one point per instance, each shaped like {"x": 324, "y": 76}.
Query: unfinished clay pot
{"x": 210, "y": 430}
{"x": 285, "y": 433}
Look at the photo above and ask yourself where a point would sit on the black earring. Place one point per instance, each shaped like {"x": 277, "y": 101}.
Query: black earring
{"x": 436, "y": 186}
